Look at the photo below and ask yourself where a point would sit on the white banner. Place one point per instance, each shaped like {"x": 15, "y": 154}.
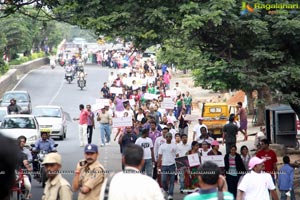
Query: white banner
{"x": 191, "y": 117}
{"x": 171, "y": 93}
{"x": 116, "y": 90}
{"x": 218, "y": 160}
{"x": 97, "y": 107}
{"x": 193, "y": 160}
{"x": 122, "y": 122}
{"x": 104, "y": 102}
{"x": 132, "y": 102}
{"x": 167, "y": 103}
{"x": 150, "y": 96}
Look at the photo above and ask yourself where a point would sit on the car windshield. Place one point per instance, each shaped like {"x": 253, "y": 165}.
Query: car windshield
{"x": 20, "y": 97}
{"x": 47, "y": 112}
{"x": 18, "y": 122}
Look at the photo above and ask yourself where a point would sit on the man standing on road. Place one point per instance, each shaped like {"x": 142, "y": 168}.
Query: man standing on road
{"x": 89, "y": 175}
{"x": 230, "y": 131}
{"x": 197, "y": 127}
{"x": 131, "y": 184}
{"x": 243, "y": 119}
{"x": 270, "y": 156}
{"x": 83, "y": 120}
{"x": 105, "y": 91}
{"x": 90, "y": 124}
{"x": 105, "y": 120}
{"x": 256, "y": 184}
{"x": 56, "y": 186}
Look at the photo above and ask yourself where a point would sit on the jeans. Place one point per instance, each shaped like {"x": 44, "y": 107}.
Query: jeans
{"x": 283, "y": 196}
{"x": 188, "y": 109}
{"x": 105, "y": 133}
{"x": 184, "y": 130}
{"x": 90, "y": 133}
{"x": 181, "y": 179}
{"x": 148, "y": 167}
{"x": 168, "y": 172}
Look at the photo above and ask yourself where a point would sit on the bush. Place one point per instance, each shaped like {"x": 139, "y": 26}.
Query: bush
{"x": 3, "y": 67}
{"x": 25, "y": 59}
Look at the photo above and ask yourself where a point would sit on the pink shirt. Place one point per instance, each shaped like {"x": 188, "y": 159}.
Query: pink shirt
{"x": 167, "y": 78}
{"x": 83, "y": 117}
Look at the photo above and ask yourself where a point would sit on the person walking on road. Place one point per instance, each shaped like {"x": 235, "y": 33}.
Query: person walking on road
{"x": 286, "y": 180}
{"x": 89, "y": 175}
{"x": 56, "y": 186}
{"x": 83, "y": 120}
{"x": 90, "y": 124}
{"x": 256, "y": 184}
{"x": 230, "y": 132}
{"x": 131, "y": 184}
{"x": 243, "y": 120}
{"x": 105, "y": 120}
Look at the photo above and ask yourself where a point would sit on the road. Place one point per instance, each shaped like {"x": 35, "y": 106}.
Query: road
{"x": 47, "y": 86}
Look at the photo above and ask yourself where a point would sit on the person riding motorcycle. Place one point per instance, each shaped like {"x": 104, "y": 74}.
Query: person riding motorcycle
{"x": 81, "y": 76}
{"x": 23, "y": 164}
{"x": 70, "y": 68}
{"x": 45, "y": 143}
{"x": 73, "y": 60}
{"x": 13, "y": 108}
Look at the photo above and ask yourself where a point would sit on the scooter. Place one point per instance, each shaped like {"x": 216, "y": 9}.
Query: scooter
{"x": 81, "y": 83}
{"x": 69, "y": 75}
{"x": 52, "y": 64}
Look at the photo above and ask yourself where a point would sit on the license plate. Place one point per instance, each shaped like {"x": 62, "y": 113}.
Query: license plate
{"x": 47, "y": 130}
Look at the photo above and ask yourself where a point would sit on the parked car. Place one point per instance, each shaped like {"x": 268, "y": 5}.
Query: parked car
{"x": 22, "y": 97}
{"x": 3, "y": 112}
{"x": 19, "y": 124}
{"x": 52, "y": 119}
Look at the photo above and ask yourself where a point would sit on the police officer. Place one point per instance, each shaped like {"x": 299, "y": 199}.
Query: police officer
{"x": 89, "y": 175}
{"x": 56, "y": 186}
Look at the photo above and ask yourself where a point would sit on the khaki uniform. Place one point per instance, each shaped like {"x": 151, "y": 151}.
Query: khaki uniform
{"x": 92, "y": 177}
{"x": 57, "y": 189}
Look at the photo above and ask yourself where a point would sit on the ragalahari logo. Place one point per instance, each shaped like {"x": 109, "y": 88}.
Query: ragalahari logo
{"x": 246, "y": 8}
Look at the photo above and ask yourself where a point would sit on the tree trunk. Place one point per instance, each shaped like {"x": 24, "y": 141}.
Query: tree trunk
{"x": 264, "y": 98}
{"x": 250, "y": 107}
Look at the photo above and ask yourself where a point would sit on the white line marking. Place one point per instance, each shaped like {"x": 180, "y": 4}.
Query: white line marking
{"x": 19, "y": 82}
{"x": 57, "y": 93}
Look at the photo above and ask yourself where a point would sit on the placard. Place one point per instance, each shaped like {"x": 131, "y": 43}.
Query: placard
{"x": 97, "y": 107}
{"x": 116, "y": 90}
{"x": 150, "y": 96}
{"x": 193, "y": 160}
{"x": 132, "y": 102}
{"x": 167, "y": 103}
{"x": 217, "y": 159}
{"x": 171, "y": 93}
{"x": 191, "y": 117}
{"x": 181, "y": 163}
{"x": 121, "y": 122}
{"x": 104, "y": 102}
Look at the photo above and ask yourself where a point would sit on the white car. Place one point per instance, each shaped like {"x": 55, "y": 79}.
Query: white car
{"x": 52, "y": 119}
{"x": 19, "y": 124}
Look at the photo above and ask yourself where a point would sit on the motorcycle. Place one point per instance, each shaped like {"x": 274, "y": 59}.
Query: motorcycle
{"x": 61, "y": 62}
{"x": 81, "y": 81}
{"x": 41, "y": 176}
{"x": 18, "y": 191}
{"x": 52, "y": 64}
{"x": 69, "y": 75}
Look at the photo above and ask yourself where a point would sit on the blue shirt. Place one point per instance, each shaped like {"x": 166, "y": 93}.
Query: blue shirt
{"x": 47, "y": 145}
{"x": 285, "y": 177}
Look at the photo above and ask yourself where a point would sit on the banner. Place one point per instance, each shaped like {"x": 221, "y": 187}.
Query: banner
{"x": 193, "y": 160}
{"x": 167, "y": 103}
{"x": 116, "y": 90}
{"x": 150, "y": 96}
{"x": 171, "y": 93}
{"x": 122, "y": 122}
{"x": 191, "y": 117}
{"x": 218, "y": 160}
{"x": 181, "y": 163}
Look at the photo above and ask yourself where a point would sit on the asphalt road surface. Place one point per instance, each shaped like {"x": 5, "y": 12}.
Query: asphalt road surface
{"x": 47, "y": 86}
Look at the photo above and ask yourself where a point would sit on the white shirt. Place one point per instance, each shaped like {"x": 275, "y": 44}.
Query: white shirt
{"x": 168, "y": 152}
{"x": 183, "y": 148}
{"x": 158, "y": 142}
{"x": 196, "y": 130}
{"x": 256, "y": 186}
{"x": 133, "y": 186}
{"x": 147, "y": 144}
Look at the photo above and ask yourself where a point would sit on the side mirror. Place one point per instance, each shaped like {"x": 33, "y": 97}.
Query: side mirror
{"x": 55, "y": 145}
